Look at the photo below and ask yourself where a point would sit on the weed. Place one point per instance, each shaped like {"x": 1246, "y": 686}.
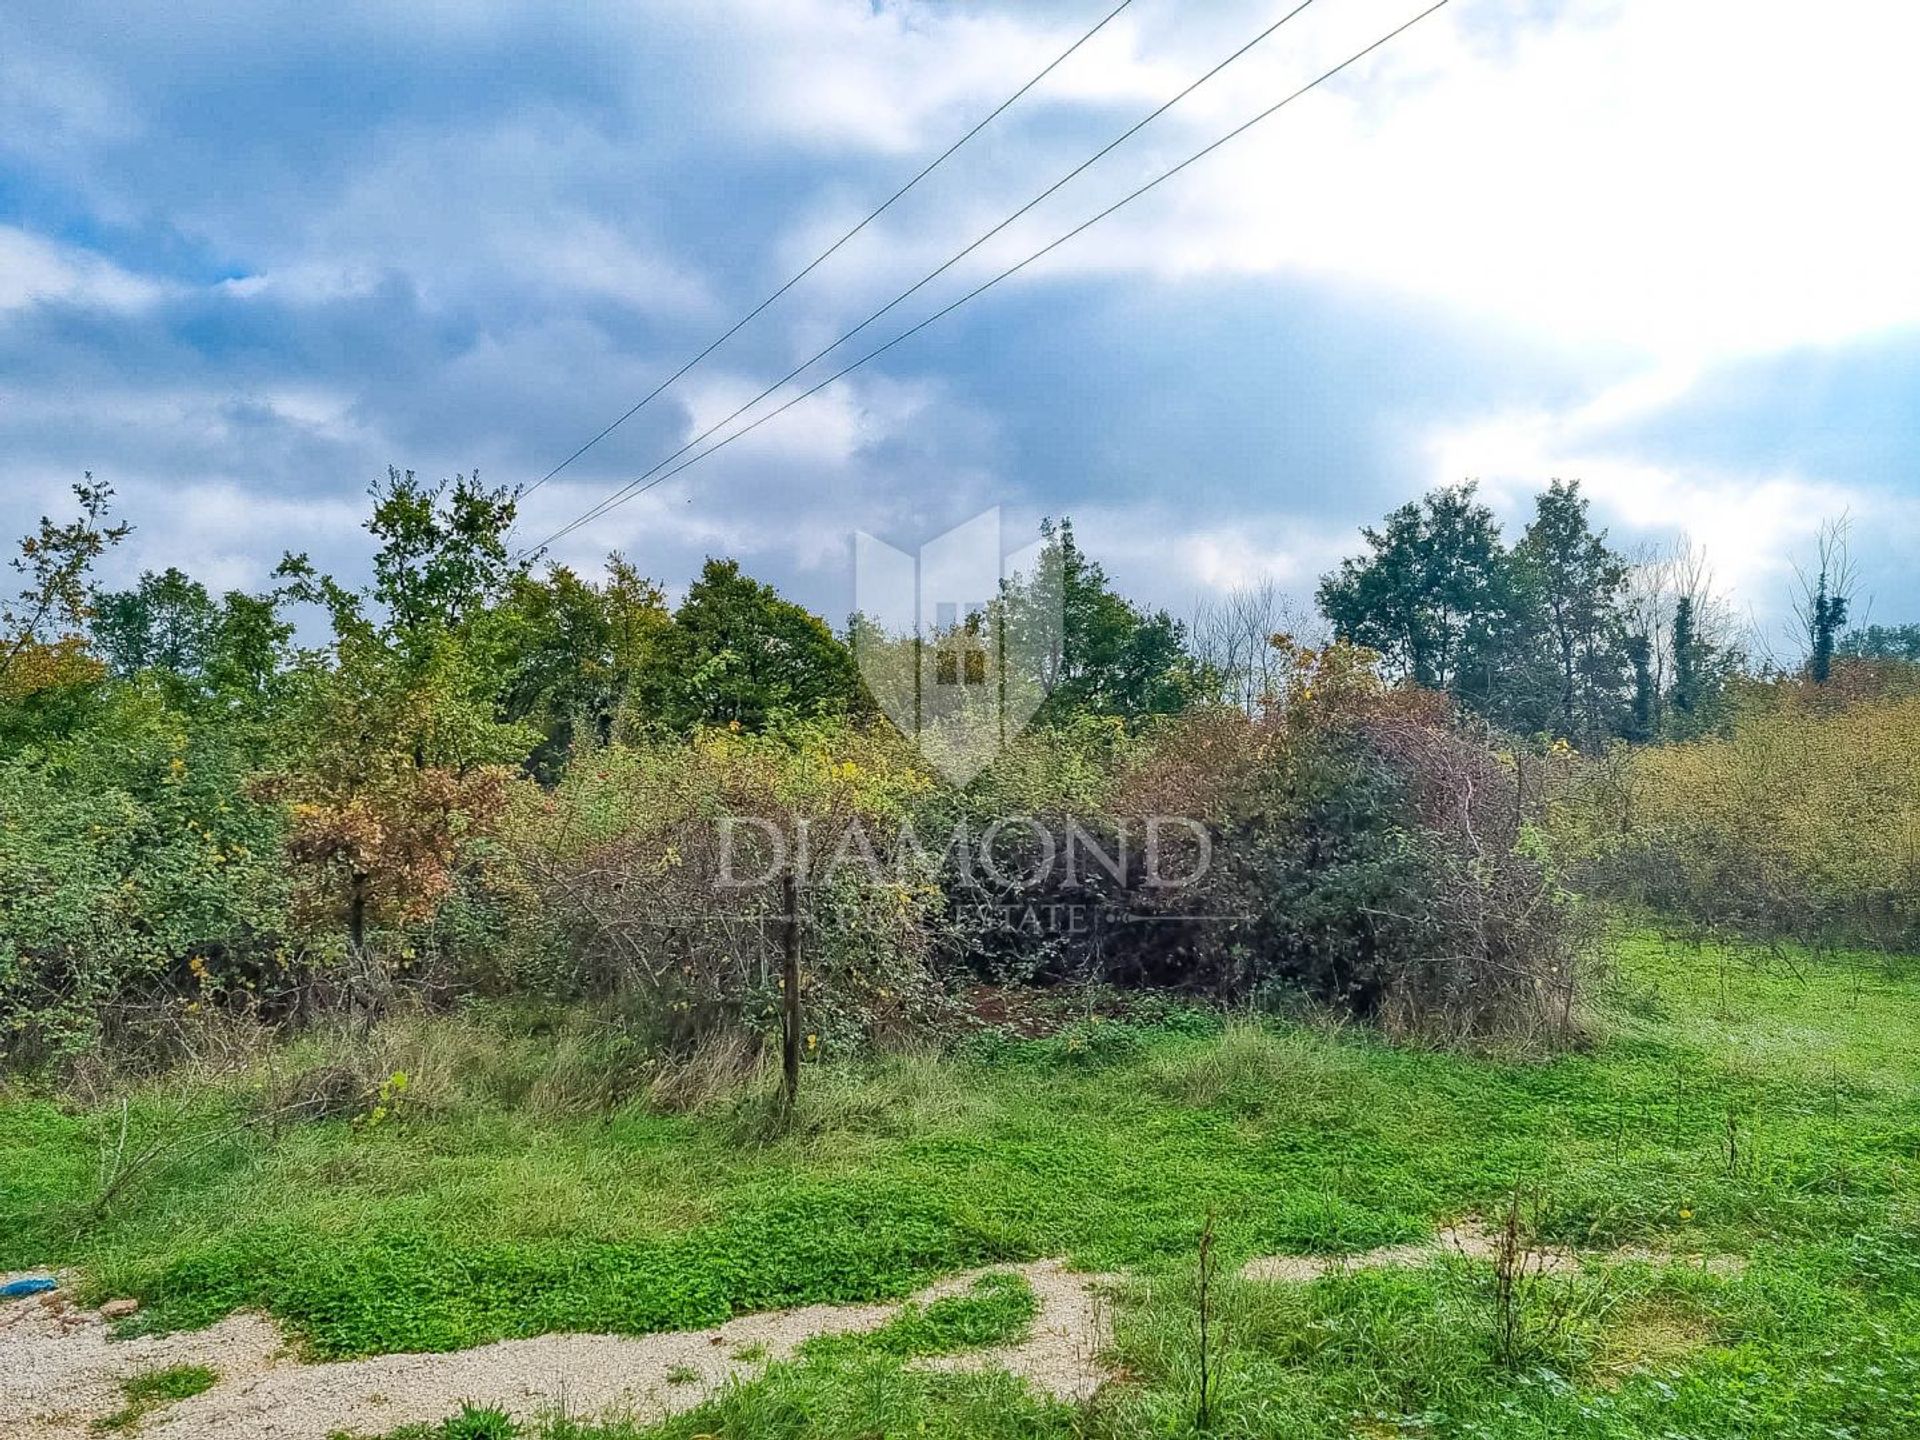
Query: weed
{"x": 151, "y": 1389}
{"x": 997, "y": 1311}
{"x": 483, "y": 1217}
{"x": 1532, "y": 1298}
{"x": 479, "y": 1423}
{"x": 1204, "y": 1284}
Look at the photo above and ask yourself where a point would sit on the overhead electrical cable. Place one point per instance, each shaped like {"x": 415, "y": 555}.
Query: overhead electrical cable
{"x": 825, "y": 254}
{"x": 1011, "y": 270}
{"x": 631, "y": 486}
{"x": 1038, "y": 254}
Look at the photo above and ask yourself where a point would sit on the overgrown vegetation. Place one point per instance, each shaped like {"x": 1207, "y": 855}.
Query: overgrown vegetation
{"x": 1800, "y": 820}
{"x": 473, "y": 1212}
{"x": 497, "y": 780}
{"x": 416, "y": 976}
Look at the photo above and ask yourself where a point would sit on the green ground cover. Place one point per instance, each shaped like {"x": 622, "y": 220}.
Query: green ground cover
{"x": 1767, "y": 1108}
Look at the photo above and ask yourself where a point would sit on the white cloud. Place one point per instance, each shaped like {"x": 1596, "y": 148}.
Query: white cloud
{"x": 1748, "y": 523}
{"x": 1163, "y": 557}
{"x": 1673, "y": 181}
{"x": 896, "y": 78}
{"x": 225, "y": 534}
{"x": 34, "y": 269}
{"x": 1686, "y": 179}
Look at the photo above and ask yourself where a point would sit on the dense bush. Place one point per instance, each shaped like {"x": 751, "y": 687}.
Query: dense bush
{"x": 1802, "y": 821}
{"x": 1353, "y": 843}
{"x": 489, "y": 781}
{"x": 1368, "y": 849}
{"x": 654, "y": 871}
{"x": 134, "y": 871}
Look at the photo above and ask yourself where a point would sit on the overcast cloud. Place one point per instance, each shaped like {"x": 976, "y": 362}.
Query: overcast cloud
{"x": 250, "y": 254}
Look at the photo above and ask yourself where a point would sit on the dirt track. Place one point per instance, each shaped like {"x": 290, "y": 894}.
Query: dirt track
{"x": 61, "y": 1371}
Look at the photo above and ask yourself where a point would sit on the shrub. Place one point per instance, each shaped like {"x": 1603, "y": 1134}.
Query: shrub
{"x": 1803, "y": 821}
{"x": 1366, "y": 848}
{"x": 659, "y": 866}
{"x": 135, "y": 877}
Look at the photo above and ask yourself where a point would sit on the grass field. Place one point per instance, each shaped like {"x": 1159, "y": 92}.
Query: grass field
{"x": 1730, "y": 1105}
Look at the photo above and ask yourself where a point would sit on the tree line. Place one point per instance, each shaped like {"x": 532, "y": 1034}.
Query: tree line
{"x": 199, "y": 797}
{"x": 1558, "y": 634}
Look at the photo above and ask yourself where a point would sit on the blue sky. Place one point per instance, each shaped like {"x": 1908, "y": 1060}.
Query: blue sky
{"x": 250, "y": 254}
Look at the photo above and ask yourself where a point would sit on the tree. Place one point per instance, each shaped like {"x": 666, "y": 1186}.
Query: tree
{"x": 1233, "y": 642}
{"x": 1882, "y": 642}
{"x": 442, "y": 559}
{"x": 42, "y": 628}
{"x": 1826, "y": 596}
{"x": 442, "y": 552}
{"x": 1434, "y": 595}
{"x": 1107, "y": 657}
{"x": 1643, "y": 717}
{"x": 394, "y": 763}
{"x": 1691, "y": 634}
{"x": 1688, "y": 653}
{"x": 396, "y": 752}
{"x": 1578, "y": 585}
{"x": 567, "y": 651}
{"x": 249, "y": 649}
{"x": 166, "y": 622}
{"x": 738, "y": 654}
{"x": 200, "y": 649}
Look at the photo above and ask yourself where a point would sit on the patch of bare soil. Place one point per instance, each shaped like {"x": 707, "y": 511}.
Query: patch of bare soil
{"x": 1471, "y": 1240}
{"x": 62, "y": 1371}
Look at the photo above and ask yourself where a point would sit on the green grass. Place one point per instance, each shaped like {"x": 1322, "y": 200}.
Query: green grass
{"x": 1727, "y": 1105}
{"x": 151, "y": 1389}
{"x": 998, "y": 1310}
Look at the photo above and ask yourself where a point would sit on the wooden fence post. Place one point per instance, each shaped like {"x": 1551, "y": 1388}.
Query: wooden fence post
{"x": 790, "y": 990}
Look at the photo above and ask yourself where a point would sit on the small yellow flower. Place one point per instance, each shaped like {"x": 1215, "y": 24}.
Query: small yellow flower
{"x": 1685, "y": 1213}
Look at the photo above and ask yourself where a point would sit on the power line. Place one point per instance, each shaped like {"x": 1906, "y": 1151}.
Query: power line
{"x": 939, "y": 270}
{"x": 1011, "y": 270}
{"x": 819, "y": 259}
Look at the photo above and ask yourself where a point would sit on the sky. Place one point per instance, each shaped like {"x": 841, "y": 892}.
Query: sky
{"x": 253, "y": 253}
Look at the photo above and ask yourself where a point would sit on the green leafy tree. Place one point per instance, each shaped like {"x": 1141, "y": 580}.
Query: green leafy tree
{"x": 1688, "y": 652}
{"x": 1105, "y": 656}
{"x": 441, "y": 560}
{"x": 1578, "y": 587}
{"x": 1435, "y": 594}
{"x": 228, "y": 650}
{"x": 566, "y": 652}
{"x": 1828, "y": 615}
{"x": 1882, "y": 642}
{"x": 249, "y": 650}
{"x": 396, "y": 753}
{"x": 738, "y": 654}
{"x": 443, "y": 551}
{"x": 1642, "y": 717}
{"x": 166, "y": 622}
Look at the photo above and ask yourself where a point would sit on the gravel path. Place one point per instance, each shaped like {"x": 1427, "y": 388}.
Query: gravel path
{"x": 59, "y": 1371}
{"x": 1473, "y": 1241}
